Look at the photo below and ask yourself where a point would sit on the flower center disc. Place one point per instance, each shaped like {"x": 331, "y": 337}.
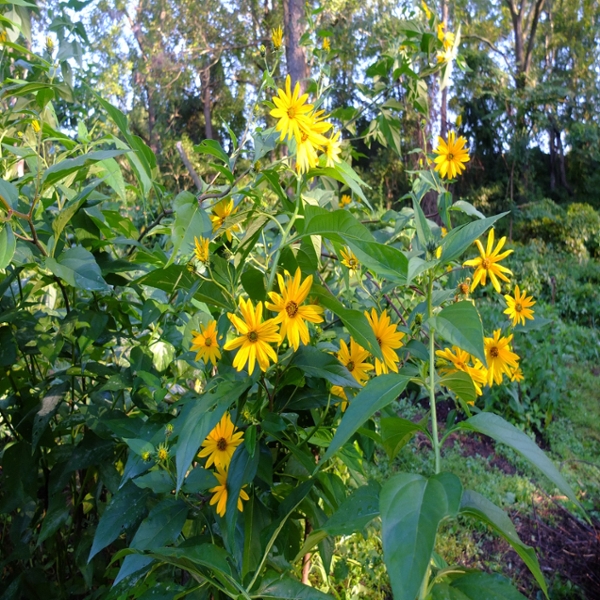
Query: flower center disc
{"x": 252, "y": 336}
{"x": 291, "y": 112}
{"x": 450, "y": 156}
{"x": 350, "y": 366}
{"x": 353, "y": 263}
{"x": 518, "y": 307}
{"x": 207, "y": 342}
{"x": 378, "y": 341}
{"x": 494, "y": 352}
{"x": 222, "y": 444}
{"x": 291, "y": 308}
{"x": 485, "y": 263}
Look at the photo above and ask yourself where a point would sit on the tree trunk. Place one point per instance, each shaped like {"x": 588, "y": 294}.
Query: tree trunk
{"x": 206, "y": 103}
{"x": 293, "y": 16}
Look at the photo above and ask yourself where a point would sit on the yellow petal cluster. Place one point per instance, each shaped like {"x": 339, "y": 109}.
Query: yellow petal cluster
{"x": 501, "y": 360}
{"x": 456, "y": 359}
{"x": 519, "y": 306}
{"x": 277, "y": 37}
{"x": 452, "y": 155}
{"x": 220, "y": 494}
{"x": 389, "y": 340}
{"x": 205, "y": 344}
{"x": 486, "y": 264}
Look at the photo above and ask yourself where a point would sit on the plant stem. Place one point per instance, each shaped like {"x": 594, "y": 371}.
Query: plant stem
{"x": 434, "y": 427}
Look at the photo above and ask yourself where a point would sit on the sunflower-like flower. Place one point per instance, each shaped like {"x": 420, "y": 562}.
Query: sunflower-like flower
{"x": 205, "y": 344}
{"x": 349, "y": 260}
{"x": 162, "y": 452}
{"x": 388, "y": 338}
{"x": 500, "y": 357}
{"x": 339, "y": 392}
{"x": 220, "y": 494}
{"x": 221, "y": 442}
{"x": 291, "y": 314}
{"x": 519, "y": 307}
{"x": 306, "y": 150}
{"x": 446, "y": 37}
{"x": 254, "y": 339}
{"x": 277, "y": 37}
{"x": 201, "y": 250}
{"x": 326, "y": 44}
{"x": 458, "y": 360}
{"x": 517, "y": 375}
{"x": 333, "y": 149}
{"x": 221, "y": 211}
{"x": 292, "y": 111}
{"x": 486, "y": 264}
{"x": 353, "y": 359}
{"x": 451, "y": 156}
{"x": 345, "y": 200}
{"x": 426, "y": 10}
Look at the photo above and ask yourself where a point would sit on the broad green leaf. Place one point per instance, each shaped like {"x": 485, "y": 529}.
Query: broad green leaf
{"x": 387, "y": 261}
{"x": 460, "y": 324}
{"x": 69, "y": 210}
{"x": 377, "y": 394}
{"x": 444, "y": 591}
{"x": 163, "y": 354}
{"x": 396, "y": 433}
{"x": 337, "y": 225}
{"x": 468, "y": 209}
{"x": 285, "y": 587}
{"x": 125, "y": 509}
{"x": 195, "y": 424}
{"x": 460, "y": 238}
{"x": 8, "y": 245}
{"x": 160, "y": 482}
{"x": 354, "y": 320}
{"x": 162, "y": 526}
{"x": 461, "y": 384}
{"x": 78, "y": 267}
{"x": 424, "y": 232}
{"x": 317, "y": 363}
{"x": 60, "y": 170}
{"x": 241, "y": 471}
{"x": 49, "y": 407}
{"x": 476, "y": 586}
{"x": 55, "y": 518}
{"x": 412, "y": 507}
{"x": 356, "y": 512}
{"x": 111, "y": 174}
{"x": 203, "y": 555}
{"x": 502, "y": 431}
{"x": 253, "y": 281}
{"x": 199, "y": 480}
{"x": 9, "y": 193}
{"x": 213, "y": 148}
{"x": 481, "y": 508}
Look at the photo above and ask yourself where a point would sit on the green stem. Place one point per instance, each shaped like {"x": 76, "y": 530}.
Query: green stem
{"x": 434, "y": 427}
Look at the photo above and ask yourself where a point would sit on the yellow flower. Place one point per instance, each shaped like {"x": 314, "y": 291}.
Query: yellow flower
{"x": 36, "y": 125}
{"x": 220, "y": 494}
{"x": 338, "y": 390}
{"x": 221, "y": 443}
{"x": 49, "y": 45}
{"x": 326, "y": 44}
{"x": 205, "y": 343}
{"x": 440, "y": 31}
{"x": 292, "y": 315}
{"x": 438, "y": 250}
{"x": 459, "y": 120}
{"x": 451, "y": 156}
{"x": 349, "y": 260}
{"x": 3, "y": 37}
{"x": 460, "y": 362}
{"x": 519, "y": 307}
{"x": 517, "y": 375}
{"x": 354, "y": 360}
{"x": 146, "y": 456}
{"x": 221, "y": 211}
{"x": 345, "y": 200}
{"x": 306, "y": 150}
{"x": 254, "y": 339}
{"x": 499, "y": 357}
{"x": 162, "y": 452}
{"x": 388, "y": 338}
{"x": 426, "y": 10}
{"x": 277, "y": 37}
{"x": 486, "y": 264}
{"x": 333, "y": 149}
{"x": 291, "y": 110}
{"x": 201, "y": 250}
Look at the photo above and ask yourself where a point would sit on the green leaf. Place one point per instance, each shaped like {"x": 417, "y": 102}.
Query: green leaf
{"x": 412, "y": 507}
{"x": 387, "y": 261}
{"x": 159, "y": 482}
{"x": 199, "y": 480}
{"x": 60, "y": 170}
{"x": 162, "y": 526}
{"x": 424, "y": 233}
{"x": 124, "y": 510}
{"x": 460, "y": 238}
{"x": 460, "y": 324}
{"x": 354, "y": 320}
{"x": 468, "y": 209}
{"x": 50, "y": 405}
{"x": 111, "y": 174}
{"x": 502, "y": 431}
{"x": 213, "y": 148}
{"x": 9, "y": 193}
{"x": 195, "y": 424}
{"x": 53, "y": 521}
{"x": 69, "y": 210}
{"x": 284, "y": 587}
{"x": 476, "y": 586}
{"x": 253, "y": 281}
{"x": 8, "y": 245}
{"x": 78, "y": 267}
{"x": 481, "y": 508}
{"x": 396, "y": 433}
{"x": 461, "y": 384}
{"x": 317, "y": 363}
{"x": 163, "y": 354}
{"x": 378, "y": 393}
{"x": 338, "y": 225}
{"x": 355, "y": 512}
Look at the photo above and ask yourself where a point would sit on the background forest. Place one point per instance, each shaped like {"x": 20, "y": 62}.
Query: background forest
{"x": 125, "y": 130}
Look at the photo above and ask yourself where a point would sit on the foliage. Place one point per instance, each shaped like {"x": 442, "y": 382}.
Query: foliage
{"x": 105, "y": 407}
